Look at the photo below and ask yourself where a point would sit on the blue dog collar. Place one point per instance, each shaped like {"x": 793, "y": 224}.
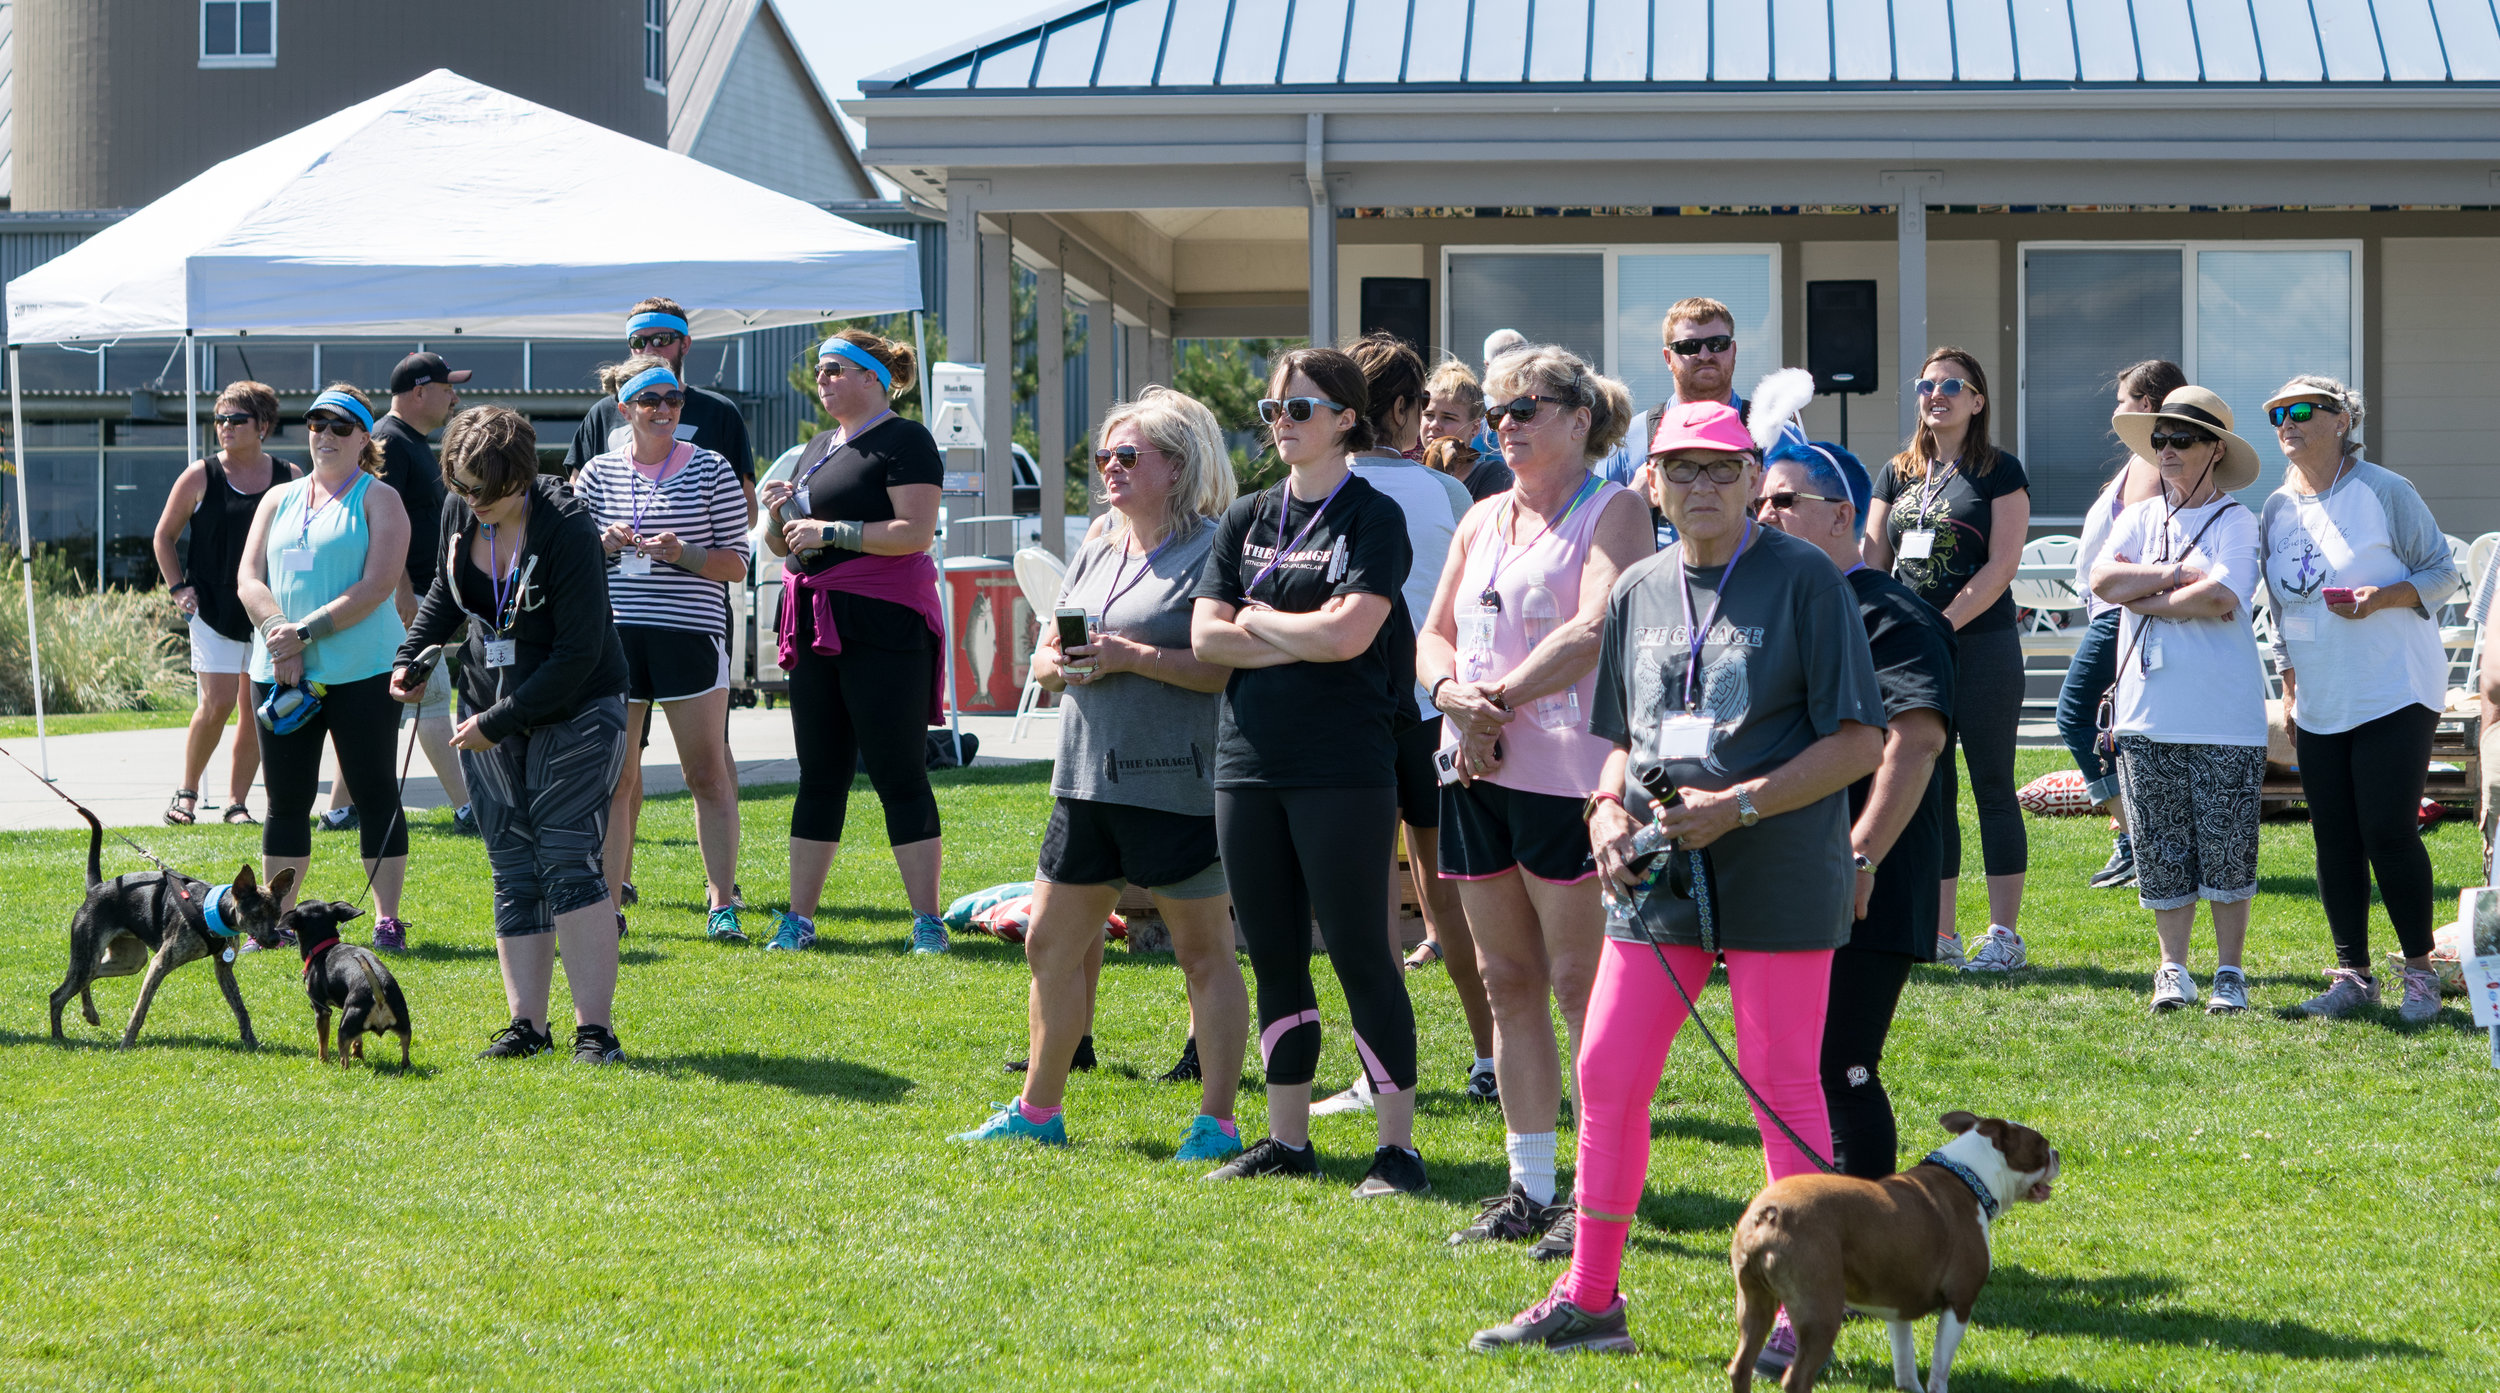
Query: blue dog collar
{"x": 208, "y": 911}
{"x": 650, "y": 377}
{"x": 839, "y": 347}
{"x": 657, "y": 319}
{"x": 1988, "y": 1205}
{"x": 345, "y": 405}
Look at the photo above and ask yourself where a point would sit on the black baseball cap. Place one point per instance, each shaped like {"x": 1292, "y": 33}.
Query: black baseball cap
{"x": 418, "y": 369}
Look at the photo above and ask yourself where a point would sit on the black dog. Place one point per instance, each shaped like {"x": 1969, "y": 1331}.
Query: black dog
{"x": 160, "y": 920}
{"x": 346, "y": 978}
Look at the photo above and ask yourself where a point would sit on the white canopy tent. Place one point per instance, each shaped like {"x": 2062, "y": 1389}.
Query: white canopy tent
{"x": 444, "y": 207}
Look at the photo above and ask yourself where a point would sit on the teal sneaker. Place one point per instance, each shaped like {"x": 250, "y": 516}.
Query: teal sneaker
{"x": 791, "y": 934}
{"x": 928, "y": 934}
{"x": 1206, "y": 1140}
{"x": 721, "y": 926}
{"x": 1008, "y": 1124}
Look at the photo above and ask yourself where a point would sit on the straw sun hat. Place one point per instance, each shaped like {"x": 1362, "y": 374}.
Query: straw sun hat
{"x": 2196, "y": 407}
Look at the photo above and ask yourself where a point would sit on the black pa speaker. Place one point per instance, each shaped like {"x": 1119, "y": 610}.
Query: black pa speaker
{"x": 1401, "y": 305}
{"x": 1840, "y": 335}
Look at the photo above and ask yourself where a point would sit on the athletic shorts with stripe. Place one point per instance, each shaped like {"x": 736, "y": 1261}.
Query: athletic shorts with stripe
{"x": 1488, "y": 830}
{"x": 542, "y": 808}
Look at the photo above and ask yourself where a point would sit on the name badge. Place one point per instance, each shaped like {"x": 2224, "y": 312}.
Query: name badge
{"x": 1686, "y": 735}
{"x": 633, "y": 563}
{"x": 2300, "y": 628}
{"x": 296, "y": 559}
{"x": 1475, "y": 631}
{"x": 1919, "y": 545}
{"x": 2152, "y": 655}
{"x": 502, "y": 652}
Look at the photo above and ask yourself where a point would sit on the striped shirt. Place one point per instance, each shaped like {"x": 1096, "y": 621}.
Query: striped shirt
{"x": 699, "y": 499}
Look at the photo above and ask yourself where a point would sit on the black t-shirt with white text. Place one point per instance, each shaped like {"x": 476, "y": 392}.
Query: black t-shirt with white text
{"x": 1914, "y": 650}
{"x": 1315, "y": 725}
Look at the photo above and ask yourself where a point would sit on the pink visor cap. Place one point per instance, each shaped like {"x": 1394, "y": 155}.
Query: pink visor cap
{"x": 1701, "y": 425}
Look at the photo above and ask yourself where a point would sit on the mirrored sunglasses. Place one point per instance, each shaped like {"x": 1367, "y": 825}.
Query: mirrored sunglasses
{"x": 1944, "y": 387}
{"x": 1294, "y": 408}
{"x": 2299, "y": 411}
{"x": 1716, "y": 343}
{"x": 657, "y": 338}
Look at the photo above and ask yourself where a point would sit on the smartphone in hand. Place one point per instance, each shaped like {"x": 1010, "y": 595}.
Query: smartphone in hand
{"x": 2336, "y": 595}
{"x": 1073, "y": 633}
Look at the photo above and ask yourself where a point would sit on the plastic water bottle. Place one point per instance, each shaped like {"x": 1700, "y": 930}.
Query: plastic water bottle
{"x": 1650, "y": 848}
{"x": 1539, "y": 615}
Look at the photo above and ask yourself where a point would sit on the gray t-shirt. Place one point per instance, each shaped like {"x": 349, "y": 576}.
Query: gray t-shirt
{"x": 1129, "y": 738}
{"x": 1784, "y": 663}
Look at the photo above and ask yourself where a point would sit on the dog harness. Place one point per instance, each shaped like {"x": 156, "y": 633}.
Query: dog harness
{"x": 1988, "y": 1205}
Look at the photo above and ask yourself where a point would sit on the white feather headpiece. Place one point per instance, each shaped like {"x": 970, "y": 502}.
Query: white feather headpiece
{"x": 1776, "y": 401}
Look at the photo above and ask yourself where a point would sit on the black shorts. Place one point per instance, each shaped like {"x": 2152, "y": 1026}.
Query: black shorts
{"x": 1419, "y": 786}
{"x": 1091, "y": 843}
{"x": 672, "y": 664}
{"x": 1487, "y": 830}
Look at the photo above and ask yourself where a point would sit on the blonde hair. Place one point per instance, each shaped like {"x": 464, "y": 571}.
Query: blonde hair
{"x": 1185, "y": 432}
{"x": 614, "y": 376}
{"x": 1695, "y": 309}
{"x": 1453, "y": 377}
{"x": 1550, "y": 370}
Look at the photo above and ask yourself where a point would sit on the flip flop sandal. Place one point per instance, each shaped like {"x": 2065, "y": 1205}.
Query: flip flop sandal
{"x": 238, "y": 815}
{"x": 1426, "y": 954}
{"x": 177, "y": 815}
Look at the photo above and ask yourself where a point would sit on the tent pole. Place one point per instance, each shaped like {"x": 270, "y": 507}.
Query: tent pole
{"x": 190, "y": 397}
{"x": 26, "y": 557}
{"x": 946, "y": 598}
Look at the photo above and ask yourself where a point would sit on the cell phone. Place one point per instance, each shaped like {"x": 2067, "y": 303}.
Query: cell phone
{"x": 1445, "y": 766}
{"x": 2336, "y": 595}
{"x": 1073, "y": 630}
{"x": 421, "y": 667}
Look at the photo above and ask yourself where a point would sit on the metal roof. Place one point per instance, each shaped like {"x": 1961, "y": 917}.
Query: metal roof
{"x": 1392, "y": 45}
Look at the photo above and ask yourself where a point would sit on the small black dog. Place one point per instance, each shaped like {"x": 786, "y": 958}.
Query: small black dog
{"x": 349, "y": 979}
{"x": 159, "y": 920}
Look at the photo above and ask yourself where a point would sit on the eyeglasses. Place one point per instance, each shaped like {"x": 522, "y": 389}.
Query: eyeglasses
{"x": 1786, "y": 499}
{"x": 1121, "y": 457}
{"x": 1945, "y": 386}
{"x": 332, "y": 424}
{"x": 2165, "y": 440}
{"x": 657, "y": 338}
{"x": 233, "y": 418}
{"x": 1522, "y": 408}
{"x": 1716, "y": 343}
{"x": 1294, "y": 408}
{"x": 2299, "y": 411}
{"x": 471, "y": 492}
{"x": 1685, "y": 471}
{"x": 653, "y": 401}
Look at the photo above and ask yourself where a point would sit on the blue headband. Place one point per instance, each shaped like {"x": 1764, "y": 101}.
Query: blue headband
{"x": 651, "y": 377}
{"x": 844, "y": 348}
{"x": 657, "y": 319}
{"x": 335, "y": 400}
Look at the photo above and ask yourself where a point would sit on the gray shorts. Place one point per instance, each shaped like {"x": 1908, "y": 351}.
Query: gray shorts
{"x": 542, "y": 807}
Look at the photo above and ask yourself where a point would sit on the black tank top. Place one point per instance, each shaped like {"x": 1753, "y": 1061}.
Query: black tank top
{"x": 219, "y": 528}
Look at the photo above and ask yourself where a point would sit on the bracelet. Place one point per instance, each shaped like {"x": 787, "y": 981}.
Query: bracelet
{"x": 1434, "y": 696}
{"x": 271, "y": 623}
{"x": 180, "y": 585}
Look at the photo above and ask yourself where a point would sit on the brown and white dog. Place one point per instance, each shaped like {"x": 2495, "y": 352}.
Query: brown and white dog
{"x": 1896, "y": 1249}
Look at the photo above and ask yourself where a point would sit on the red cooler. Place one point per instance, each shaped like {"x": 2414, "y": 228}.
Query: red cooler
{"x": 993, "y": 636}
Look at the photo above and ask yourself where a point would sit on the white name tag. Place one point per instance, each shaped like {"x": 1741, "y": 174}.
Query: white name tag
{"x": 1475, "y": 631}
{"x": 2300, "y": 628}
{"x": 1686, "y": 735}
{"x": 1919, "y": 545}
{"x": 296, "y": 559}
{"x": 501, "y": 652}
{"x": 633, "y": 563}
{"x": 2152, "y": 655}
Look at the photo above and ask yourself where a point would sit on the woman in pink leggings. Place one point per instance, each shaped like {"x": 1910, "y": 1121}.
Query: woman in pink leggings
{"x": 1736, "y": 660}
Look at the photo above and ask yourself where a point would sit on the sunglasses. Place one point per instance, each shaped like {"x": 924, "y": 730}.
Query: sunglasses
{"x": 232, "y": 418}
{"x": 2165, "y": 440}
{"x": 1121, "y": 457}
{"x": 658, "y": 338}
{"x": 1685, "y": 471}
{"x": 1944, "y": 387}
{"x": 2300, "y": 411}
{"x": 331, "y": 424}
{"x": 471, "y": 492}
{"x": 1523, "y": 409}
{"x": 653, "y": 401}
{"x": 1786, "y": 499}
{"x": 1716, "y": 343}
{"x": 1294, "y": 408}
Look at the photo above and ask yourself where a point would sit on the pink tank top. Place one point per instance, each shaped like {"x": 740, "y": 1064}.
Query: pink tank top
{"x": 1547, "y": 747}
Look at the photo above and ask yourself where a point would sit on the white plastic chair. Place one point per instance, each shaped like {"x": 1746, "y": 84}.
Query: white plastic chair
{"x": 2045, "y": 596}
{"x": 1039, "y": 575}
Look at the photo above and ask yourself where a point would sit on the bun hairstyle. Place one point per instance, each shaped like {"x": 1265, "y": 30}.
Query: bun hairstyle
{"x": 1340, "y": 379}
{"x": 371, "y": 460}
{"x": 1449, "y": 452}
{"x": 1185, "y": 432}
{"x": 897, "y": 358}
{"x": 1978, "y": 454}
{"x": 614, "y": 376}
{"x": 2154, "y": 379}
{"x": 1548, "y": 370}
{"x": 1393, "y": 372}
{"x": 499, "y": 447}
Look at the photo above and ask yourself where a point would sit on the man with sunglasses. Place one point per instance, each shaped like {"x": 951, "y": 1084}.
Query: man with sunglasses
{"x": 659, "y": 326}
{"x": 1700, "y": 351}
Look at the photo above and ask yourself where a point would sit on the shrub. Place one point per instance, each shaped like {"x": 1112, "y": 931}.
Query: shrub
{"x": 113, "y": 650}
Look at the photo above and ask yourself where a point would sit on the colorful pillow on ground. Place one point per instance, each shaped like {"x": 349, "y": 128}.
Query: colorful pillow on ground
{"x": 1010, "y": 918}
{"x": 2058, "y": 794}
{"x": 961, "y": 913}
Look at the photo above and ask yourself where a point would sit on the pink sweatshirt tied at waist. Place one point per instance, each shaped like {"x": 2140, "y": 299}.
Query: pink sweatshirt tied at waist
{"x": 910, "y": 581}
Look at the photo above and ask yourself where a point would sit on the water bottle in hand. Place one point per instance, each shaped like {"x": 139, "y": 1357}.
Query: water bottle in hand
{"x": 1540, "y": 615}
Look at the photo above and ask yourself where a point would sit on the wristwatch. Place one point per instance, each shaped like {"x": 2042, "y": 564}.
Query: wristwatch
{"x": 1746, "y": 815}
{"x": 1865, "y": 863}
{"x": 1588, "y": 809}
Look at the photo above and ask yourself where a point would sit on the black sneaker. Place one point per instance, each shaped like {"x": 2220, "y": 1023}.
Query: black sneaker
{"x": 596, "y": 1044}
{"x": 1562, "y": 1231}
{"x": 1187, "y": 1071}
{"x": 464, "y": 821}
{"x": 1508, "y": 1217}
{"x": 1395, "y": 1171}
{"x": 1556, "y": 1324}
{"x": 339, "y": 819}
{"x": 518, "y": 1040}
{"x": 1482, "y": 1086}
{"x": 1083, "y": 1063}
{"x": 1267, "y": 1156}
{"x": 626, "y": 895}
{"x": 2120, "y": 871}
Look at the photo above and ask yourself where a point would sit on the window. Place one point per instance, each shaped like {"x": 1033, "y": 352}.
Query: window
{"x": 1608, "y": 304}
{"x": 238, "y": 33}
{"x": 655, "y": 45}
{"x": 2239, "y": 317}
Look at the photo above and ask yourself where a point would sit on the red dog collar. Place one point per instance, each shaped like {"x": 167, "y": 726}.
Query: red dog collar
{"x": 315, "y": 951}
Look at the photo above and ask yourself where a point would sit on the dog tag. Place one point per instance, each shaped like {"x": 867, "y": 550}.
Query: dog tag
{"x": 2300, "y": 628}
{"x": 228, "y": 955}
{"x": 633, "y": 563}
{"x": 296, "y": 559}
{"x": 1686, "y": 735}
{"x": 1919, "y": 545}
{"x": 501, "y": 652}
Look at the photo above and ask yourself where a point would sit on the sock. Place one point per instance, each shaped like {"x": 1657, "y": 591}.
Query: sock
{"x": 1596, "y": 1262}
{"x": 1289, "y": 1146}
{"x": 1230, "y": 1128}
{"x": 1483, "y": 1065}
{"x": 1034, "y": 1115}
{"x": 1531, "y": 1163}
{"x": 2181, "y": 966}
{"x": 2232, "y": 968}
{"x": 1412, "y": 1152}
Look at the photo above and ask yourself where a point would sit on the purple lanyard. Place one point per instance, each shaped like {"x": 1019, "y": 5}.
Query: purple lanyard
{"x": 505, "y": 584}
{"x": 1285, "y": 548}
{"x": 1117, "y": 589}
{"x": 1935, "y": 489}
{"x": 1492, "y": 598}
{"x": 633, "y": 487}
{"x": 303, "y": 536}
{"x": 1701, "y": 631}
{"x": 800, "y": 485}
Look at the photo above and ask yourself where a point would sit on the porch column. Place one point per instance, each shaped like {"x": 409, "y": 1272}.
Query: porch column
{"x": 1910, "y": 189}
{"x": 1323, "y": 233}
{"x": 1102, "y": 335}
{"x": 963, "y": 269}
{"x": 1050, "y": 390}
{"x": 997, "y": 341}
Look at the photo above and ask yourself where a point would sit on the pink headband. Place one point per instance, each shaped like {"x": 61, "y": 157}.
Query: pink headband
{"x": 1701, "y": 425}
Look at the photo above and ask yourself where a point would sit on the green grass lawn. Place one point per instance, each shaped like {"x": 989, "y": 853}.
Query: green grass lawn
{"x": 93, "y": 723}
{"x": 766, "y": 1197}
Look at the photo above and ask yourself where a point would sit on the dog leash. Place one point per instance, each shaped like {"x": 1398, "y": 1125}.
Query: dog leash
{"x": 373, "y": 865}
{"x": 89, "y": 814}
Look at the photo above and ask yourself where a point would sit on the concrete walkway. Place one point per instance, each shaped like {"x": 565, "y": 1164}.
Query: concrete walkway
{"x": 126, "y": 776}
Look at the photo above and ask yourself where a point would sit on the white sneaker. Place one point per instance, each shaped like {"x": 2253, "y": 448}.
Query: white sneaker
{"x": 1355, "y": 1099}
{"x": 2174, "y": 989}
{"x": 2230, "y": 992}
{"x": 2421, "y": 998}
{"x": 1948, "y": 948}
{"x": 2000, "y": 951}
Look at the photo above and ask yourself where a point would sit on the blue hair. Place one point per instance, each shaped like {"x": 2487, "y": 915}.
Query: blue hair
{"x": 1831, "y": 469}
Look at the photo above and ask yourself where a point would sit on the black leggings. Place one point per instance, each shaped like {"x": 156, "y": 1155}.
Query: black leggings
{"x": 864, "y": 704}
{"x": 1289, "y": 852}
{"x": 1987, "y": 706}
{"x": 2364, "y": 789}
{"x": 363, "y": 725}
{"x": 1866, "y": 986}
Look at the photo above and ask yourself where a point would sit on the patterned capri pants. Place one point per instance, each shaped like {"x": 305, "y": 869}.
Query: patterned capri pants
{"x": 2192, "y": 813}
{"x": 542, "y": 807}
